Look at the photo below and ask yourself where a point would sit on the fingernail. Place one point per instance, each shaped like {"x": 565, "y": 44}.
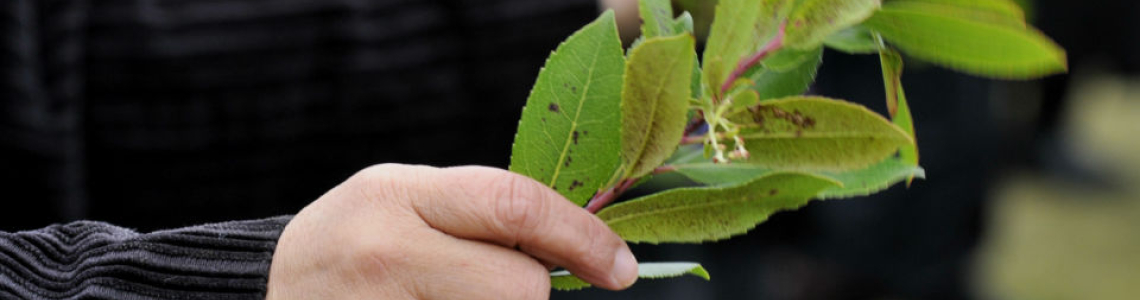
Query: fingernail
{"x": 625, "y": 268}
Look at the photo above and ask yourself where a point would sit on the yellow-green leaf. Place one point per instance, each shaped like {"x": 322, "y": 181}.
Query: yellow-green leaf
{"x": 655, "y": 101}
{"x": 569, "y": 135}
{"x": 816, "y": 133}
{"x": 694, "y": 215}
{"x": 968, "y": 45}
{"x": 997, "y": 11}
{"x": 563, "y": 280}
{"x": 814, "y": 20}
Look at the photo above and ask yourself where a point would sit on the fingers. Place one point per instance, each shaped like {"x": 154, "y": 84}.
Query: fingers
{"x": 464, "y": 269}
{"x": 514, "y": 211}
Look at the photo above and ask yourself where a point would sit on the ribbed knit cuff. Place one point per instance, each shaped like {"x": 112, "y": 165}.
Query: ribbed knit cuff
{"x": 94, "y": 260}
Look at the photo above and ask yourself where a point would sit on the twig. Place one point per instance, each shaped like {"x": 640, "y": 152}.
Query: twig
{"x": 664, "y": 169}
{"x": 603, "y": 199}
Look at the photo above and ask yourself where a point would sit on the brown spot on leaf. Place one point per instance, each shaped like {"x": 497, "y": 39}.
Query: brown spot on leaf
{"x": 575, "y": 184}
{"x": 567, "y": 162}
{"x": 574, "y": 136}
{"x": 772, "y": 192}
{"x": 795, "y": 117}
{"x": 554, "y": 108}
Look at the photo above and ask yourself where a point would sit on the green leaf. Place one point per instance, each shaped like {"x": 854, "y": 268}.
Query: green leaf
{"x": 737, "y": 31}
{"x": 997, "y": 11}
{"x": 771, "y": 84}
{"x": 569, "y": 135}
{"x": 656, "y": 18}
{"x": 853, "y": 40}
{"x": 968, "y": 45}
{"x": 872, "y": 179}
{"x": 563, "y": 280}
{"x": 816, "y": 133}
{"x": 655, "y": 102}
{"x": 788, "y": 59}
{"x": 896, "y": 102}
{"x": 715, "y": 174}
{"x": 683, "y": 23}
{"x": 694, "y": 215}
{"x": 815, "y": 20}
{"x": 862, "y": 182}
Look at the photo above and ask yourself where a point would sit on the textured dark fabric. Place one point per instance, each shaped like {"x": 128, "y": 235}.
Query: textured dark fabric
{"x": 94, "y": 260}
{"x": 167, "y": 113}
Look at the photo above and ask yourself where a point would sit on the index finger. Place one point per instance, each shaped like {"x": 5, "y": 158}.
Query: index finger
{"x": 512, "y": 210}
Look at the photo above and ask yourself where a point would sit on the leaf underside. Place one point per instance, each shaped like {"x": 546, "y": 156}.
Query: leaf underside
{"x": 563, "y": 280}
{"x": 655, "y": 101}
{"x": 695, "y": 215}
{"x": 569, "y": 134}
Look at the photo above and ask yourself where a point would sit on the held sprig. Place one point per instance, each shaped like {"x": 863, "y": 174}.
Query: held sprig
{"x": 601, "y": 120}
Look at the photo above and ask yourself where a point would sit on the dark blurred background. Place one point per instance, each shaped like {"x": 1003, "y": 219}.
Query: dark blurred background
{"x": 158, "y": 113}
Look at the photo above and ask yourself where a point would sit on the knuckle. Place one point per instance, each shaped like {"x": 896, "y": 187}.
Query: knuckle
{"x": 518, "y": 206}
{"x": 378, "y": 174}
{"x": 384, "y": 181}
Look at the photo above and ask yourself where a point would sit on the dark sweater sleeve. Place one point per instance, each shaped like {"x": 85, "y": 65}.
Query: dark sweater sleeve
{"x": 94, "y": 260}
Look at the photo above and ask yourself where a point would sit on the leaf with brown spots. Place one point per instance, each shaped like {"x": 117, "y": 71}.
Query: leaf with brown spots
{"x": 817, "y": 134}
{"x": 695, "y": 215}
{"x": 578, "y": 90}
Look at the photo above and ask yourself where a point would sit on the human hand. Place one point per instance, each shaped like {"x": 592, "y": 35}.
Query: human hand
{"x": 413, "y": 232}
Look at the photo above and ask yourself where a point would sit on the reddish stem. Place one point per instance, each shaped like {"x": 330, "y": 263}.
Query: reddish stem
{"x": 605, "y": 198}
{"x": 693, "y": 140}
{"x": 664, "y": 169}
{"x": 775, "y": 44}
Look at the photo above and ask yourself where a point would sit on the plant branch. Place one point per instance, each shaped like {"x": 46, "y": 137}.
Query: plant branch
{"x": 664, "y": 169}
{"x": 693, "y": 140}
{"x": 603, "y": 199}
{"x": 775, "y": 44}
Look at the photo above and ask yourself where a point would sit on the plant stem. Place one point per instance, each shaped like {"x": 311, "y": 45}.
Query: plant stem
{"x": 664, "y": 169}
{"x": 603, "y": 199}
{"x": 775, "y": 44}
{"x": 693, "y": 140}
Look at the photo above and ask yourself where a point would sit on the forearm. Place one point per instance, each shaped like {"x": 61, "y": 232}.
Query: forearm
{"x": 84, "y": 260}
